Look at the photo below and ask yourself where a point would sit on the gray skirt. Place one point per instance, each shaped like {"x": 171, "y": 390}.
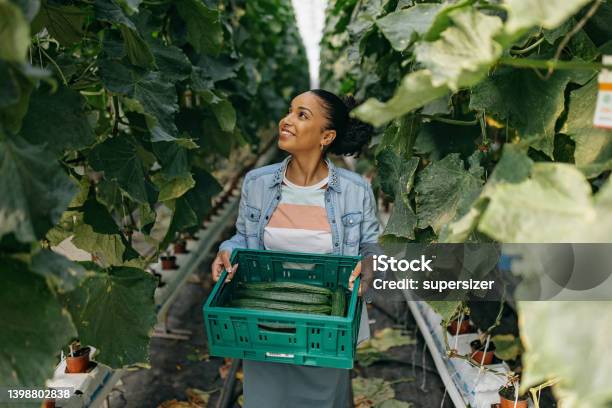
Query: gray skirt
{"x": 279, "y": 385}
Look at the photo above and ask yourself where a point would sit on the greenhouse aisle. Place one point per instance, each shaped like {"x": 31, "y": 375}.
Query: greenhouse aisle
{"x": 178, "y": 366}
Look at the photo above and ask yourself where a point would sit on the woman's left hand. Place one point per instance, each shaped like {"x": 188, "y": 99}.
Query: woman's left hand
{"x": 366, "y": 278}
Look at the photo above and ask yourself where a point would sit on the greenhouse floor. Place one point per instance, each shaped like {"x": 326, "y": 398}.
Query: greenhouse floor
{"x": 178, "y": 365}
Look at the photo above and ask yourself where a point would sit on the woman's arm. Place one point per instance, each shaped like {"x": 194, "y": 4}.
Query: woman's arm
{"x": 368, "y": 246}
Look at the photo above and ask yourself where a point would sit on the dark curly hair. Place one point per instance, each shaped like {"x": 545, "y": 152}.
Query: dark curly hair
{"x": 351, "y": 134}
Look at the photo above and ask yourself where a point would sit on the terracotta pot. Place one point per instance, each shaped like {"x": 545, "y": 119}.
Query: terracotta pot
{"x": 180, "y": 247}
{"x": 506, "y": 399}
{"x": 478, "y": 354}
{"x": 79, "y": 362}
{"x": 464, "y": 328}
{"x": 168, "y": 262}
{"x": 505, "y": 403}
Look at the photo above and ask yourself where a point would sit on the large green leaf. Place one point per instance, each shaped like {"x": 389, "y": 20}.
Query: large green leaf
{"x": 395, "y": 173}
{"x": 34, "y": 190}
{"x": 415, "y": 90}
{"x": 525, "y": 14}
{"x": 445, "y": 190}
{"x": 446, "y": 309}
{"x": 204, "y": 30}
{"x": 99, "y": 235}
{"x": 137, "y": 50}
{"x": 593, "y": 153}
{"x": 513, "y": 167}
{"x": 580, "y": 358}
{"x": 63, "y": 21}
{"x": 152, "y": 94}
{"x": 175, "y": 187}
{"x": 62, "y": 273}
{"x": 115, "y": 312}
{"x": 556, "y": 196}
{"x": 401, "y": 26}
{"x": 118, "y": 159}
{"x": 223, "y": 110}
{"x": 14, "y": 32}
{"x": 465, "y": 51}
{"x": 34, "y": 327}
{"x": 59, "y": 120}
{"x": 531, "y": 108}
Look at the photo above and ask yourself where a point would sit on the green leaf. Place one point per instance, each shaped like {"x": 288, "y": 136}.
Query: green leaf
{"x": 507, "y": 346}
{"x": 34, "y": 190}
{"x": 415, "y": 90}
{"x": 152, "y": 94}
{"x": 204, "y": 30}
{"x": 549, "y": 14}
{"x": 593, "y": 153}
{"x": 172, "y": 188}
{"x": 28, "y": 307}
{"x": 465, "y": 51}
{"x": 118, "y": 159}
{"x": 223, "y": 110}
{"x": 115, "y": 312}
{"x": 558, "y": 196}
{"x": 14, "y": 32}
{"x": 446, "y": 309}
{"x": 62, "y": 273}
{"x": 173, "y": 158}
{"x": 63, "y": 22}
{"x": 582, "y": 363}
{"x": 171, "y": 61}
{"x": 445, "y": 190}
{"x": 137, "y": 50}
{"x": 99, "y": 235}
{"x": 394, "y": 172}
{"x": 58, "y": 120}
{"x": 401, "y": 135}
{"x": 442, "y": 19}
{"x": 403, "y": 221}
{"x": 373, "y": 390}
{"x": 513, "y": 167}
{"x": 532, "y": 108}
{"x": 401, "y": 26}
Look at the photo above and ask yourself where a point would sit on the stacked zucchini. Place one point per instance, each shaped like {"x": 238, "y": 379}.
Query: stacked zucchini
{"x": 290, "y": 297}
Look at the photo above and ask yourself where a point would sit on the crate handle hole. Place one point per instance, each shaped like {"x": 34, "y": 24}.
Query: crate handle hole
{"x": 342, "y": 348}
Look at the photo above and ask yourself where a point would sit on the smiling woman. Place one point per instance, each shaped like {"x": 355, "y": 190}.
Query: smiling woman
{"x": 307, "y": 204}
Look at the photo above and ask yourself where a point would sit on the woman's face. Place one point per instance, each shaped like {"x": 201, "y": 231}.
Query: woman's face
{"x": 302, "y": 130}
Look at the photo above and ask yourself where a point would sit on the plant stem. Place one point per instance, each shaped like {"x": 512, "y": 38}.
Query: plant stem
{"x": 527, "y": 49}
{"x": 54, "y": 64}
{"x": 552, "y": 64}
{"x": 573, "y": 32}
{"x": 450, "y": 121}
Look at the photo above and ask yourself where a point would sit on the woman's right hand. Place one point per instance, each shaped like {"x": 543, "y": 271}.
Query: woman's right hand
{"x": 222, "y": 261}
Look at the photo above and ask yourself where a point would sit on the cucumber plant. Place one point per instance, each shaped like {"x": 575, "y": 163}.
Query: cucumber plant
{"x": 110, "y": 111}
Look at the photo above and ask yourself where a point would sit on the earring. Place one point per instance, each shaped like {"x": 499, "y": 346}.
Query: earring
{"x": 322, "y": 146}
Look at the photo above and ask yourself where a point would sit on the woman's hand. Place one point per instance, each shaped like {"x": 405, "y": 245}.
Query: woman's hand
{"x": 366, "y": 277}
{"x": 222, "y": 261}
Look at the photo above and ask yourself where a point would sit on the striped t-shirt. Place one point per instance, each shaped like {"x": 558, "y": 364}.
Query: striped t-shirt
{"x": 299, "y": 223}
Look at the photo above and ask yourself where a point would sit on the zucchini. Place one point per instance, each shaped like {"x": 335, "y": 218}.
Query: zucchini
{"x": 290, "y": 297}
{"x": 287, "y": 286}
{"x": 338, "y": 303}
{"x": 280, "y": 306}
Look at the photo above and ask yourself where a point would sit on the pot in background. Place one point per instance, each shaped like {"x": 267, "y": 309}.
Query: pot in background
{"x": 78, "y": 362}
{"x": 168, "y": 262}
{"x": 479, "y": 356}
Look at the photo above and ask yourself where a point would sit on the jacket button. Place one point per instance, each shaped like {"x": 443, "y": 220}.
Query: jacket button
{"x": 278, "y": 197}
{"x": 267, "y": 217}
{"x": 333, "y": 221}
{"x": 350, "y": 221}
{"x": 328, "y": 200}
{"x": 336, "y": 244}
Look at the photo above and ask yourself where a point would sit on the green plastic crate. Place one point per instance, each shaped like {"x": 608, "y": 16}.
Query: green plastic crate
{"x": 286, "y": 337}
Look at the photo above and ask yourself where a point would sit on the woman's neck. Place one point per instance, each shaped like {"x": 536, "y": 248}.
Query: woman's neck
{"x": 306, "y": 171}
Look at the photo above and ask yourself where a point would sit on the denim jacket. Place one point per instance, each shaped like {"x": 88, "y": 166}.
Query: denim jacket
{"x": 349, "y": 203}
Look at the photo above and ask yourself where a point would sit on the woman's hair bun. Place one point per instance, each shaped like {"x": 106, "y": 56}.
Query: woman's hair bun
{"x": 351, "y": 133}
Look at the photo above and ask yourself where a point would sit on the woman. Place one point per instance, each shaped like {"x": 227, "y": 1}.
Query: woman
{"x": 306, "y": 204}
